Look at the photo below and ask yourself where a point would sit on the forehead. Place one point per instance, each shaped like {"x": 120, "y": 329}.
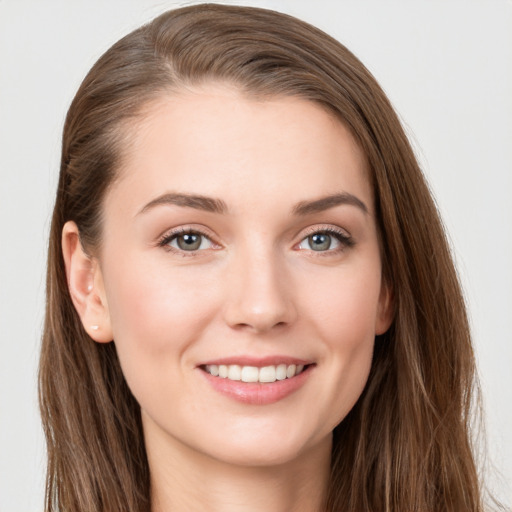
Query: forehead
{"x": 217, "y": 141}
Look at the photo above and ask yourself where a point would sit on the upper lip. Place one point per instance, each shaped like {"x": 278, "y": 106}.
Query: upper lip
{"x": 258, "y": 362}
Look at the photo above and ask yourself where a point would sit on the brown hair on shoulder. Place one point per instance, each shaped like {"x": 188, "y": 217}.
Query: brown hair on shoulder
{"x": 406, "y": 445}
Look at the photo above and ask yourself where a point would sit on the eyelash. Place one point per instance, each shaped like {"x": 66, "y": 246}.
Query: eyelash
{"x": 167, "y": 238}
{"x": 346, "y": 241}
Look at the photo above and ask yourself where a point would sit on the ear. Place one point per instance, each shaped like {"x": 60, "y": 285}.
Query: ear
{"x": 386, "y": 310}
{"x": 85, "y": 283}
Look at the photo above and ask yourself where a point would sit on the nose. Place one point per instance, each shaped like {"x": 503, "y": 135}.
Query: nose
{"x": 259, "y": 296}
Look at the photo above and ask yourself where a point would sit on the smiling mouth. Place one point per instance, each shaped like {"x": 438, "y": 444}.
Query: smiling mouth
{"x": 264, "y": 375}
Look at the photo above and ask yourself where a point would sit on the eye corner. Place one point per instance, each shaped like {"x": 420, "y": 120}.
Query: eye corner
{"x": 331, "y": 240}
{"x": 187, "y": 241}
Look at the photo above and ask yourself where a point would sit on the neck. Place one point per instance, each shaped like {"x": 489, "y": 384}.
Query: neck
{"x": 184, "y": 480}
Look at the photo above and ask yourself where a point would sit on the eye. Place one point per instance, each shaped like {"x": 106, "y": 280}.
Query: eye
{"x": 326, "y": 240}
{"x": 319, "y": 242}
{"x": 188, "y": 241}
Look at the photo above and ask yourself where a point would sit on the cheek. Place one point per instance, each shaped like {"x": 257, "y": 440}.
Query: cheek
{"x": 344, "y": 307}
{"x": 344, "y": 316}
{"x": 155, "y": 311}
{"x": 157, "y": 314}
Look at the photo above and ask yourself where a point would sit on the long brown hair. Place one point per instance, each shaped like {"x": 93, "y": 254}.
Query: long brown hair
{"x": 406, "y": 445}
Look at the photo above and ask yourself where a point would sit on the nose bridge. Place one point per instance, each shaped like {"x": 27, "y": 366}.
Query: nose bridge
{"x": 259, "y": 295}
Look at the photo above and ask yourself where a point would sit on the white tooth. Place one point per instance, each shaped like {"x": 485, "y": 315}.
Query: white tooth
{"x": 223, "y": 371}
{"x": 213, "y": 369}
{"x": 290, "y": 371}
{"x": 299, "y": 369}
{"x": 268, "y": 374}
{"x": 281, "y": 372}
{"x": 234, "y": 372}
{"x": 250, "y": 374}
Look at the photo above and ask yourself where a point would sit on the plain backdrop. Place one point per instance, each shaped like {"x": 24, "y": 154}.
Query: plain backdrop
{"x": 447, "y": 68}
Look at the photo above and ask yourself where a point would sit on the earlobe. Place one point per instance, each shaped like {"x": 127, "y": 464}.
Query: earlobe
{"x": 85, "y": 284}
{"x": 386, "y": 310}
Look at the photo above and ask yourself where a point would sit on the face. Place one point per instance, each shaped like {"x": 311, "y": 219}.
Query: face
{"x": 242, "y": 275}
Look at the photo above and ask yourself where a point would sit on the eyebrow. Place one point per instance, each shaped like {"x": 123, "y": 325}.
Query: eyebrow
{"x": 324, "y": 203}
{"x": 198, "y": 202}
{"x": 213, "y": 205}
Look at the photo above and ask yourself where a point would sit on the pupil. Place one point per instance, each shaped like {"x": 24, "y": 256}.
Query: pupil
{"x": 320, "y": 241}
{"x": 189, "y": 239}
{"x": 189, "y": 242}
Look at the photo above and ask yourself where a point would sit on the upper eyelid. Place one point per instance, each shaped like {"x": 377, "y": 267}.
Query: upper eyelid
{"x": 208, "y": 233}
{"x": 343, "y": 236}
{"x": 319, "y": 228}
{"x": 184, "y": 229}
{"x": 164, "y": 241}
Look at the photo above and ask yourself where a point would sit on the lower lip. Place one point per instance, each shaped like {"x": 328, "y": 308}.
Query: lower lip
{"x": 256, "y": 393}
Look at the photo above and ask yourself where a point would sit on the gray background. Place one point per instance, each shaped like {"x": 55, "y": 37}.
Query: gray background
{"x": 446, "y": 66}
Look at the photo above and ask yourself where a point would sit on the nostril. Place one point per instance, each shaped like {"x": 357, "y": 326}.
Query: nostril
{"x": 241, "y": 326}
{"x": 261, "y": 326}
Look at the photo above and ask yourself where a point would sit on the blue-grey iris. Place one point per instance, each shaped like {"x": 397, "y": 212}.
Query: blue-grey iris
{"x": 189, "y": 241}
{"x": 319, "y": 241}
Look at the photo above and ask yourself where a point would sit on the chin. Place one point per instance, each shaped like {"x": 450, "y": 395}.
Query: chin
{"x": 265, "y": 451}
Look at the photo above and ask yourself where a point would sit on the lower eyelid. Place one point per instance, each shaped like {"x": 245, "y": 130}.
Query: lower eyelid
{"x": 167, "y": 238}
{"x": 344, "y": 240}
{"x": 202, "y": 241}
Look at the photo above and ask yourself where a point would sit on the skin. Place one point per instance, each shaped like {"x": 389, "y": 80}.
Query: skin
{"x": 255, "y": 287}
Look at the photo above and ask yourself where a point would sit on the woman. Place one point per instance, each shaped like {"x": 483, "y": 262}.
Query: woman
{"x": 251, "y": 300}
